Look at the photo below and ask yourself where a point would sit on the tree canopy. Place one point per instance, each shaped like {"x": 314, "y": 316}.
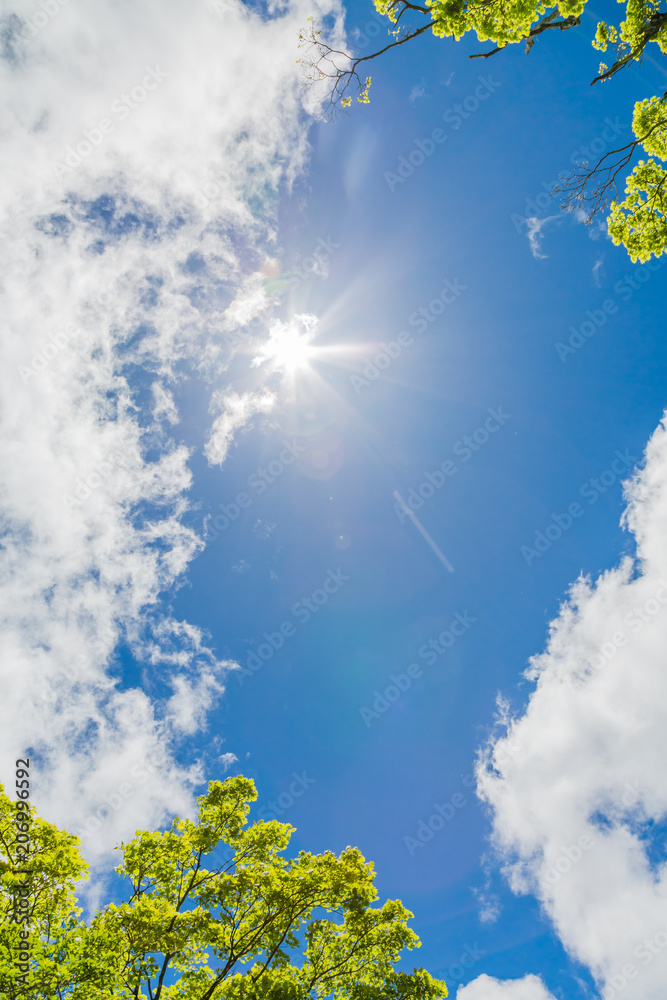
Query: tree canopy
{"x": 638, "y": 221}
{"x": 215, "y": 910}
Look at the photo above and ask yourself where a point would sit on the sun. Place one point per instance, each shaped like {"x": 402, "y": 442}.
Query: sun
{"x": 288, "y": 348}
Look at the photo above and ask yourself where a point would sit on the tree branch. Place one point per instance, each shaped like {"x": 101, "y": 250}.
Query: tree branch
{"x": 605, "y": 174}
{"x": 325, "y": 67}
{"x": 544, "y": 25}
{"x": 654, "y": 26}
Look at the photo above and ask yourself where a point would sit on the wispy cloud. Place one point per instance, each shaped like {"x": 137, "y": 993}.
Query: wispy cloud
{"x": 534, "y": 227}
{"x": 237, "y": 410}
{"x": 417, "y": 91}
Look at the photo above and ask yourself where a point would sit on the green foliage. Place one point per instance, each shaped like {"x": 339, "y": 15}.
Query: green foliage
{"x": 216, "y": 911}
{"x": 502, "y": 23}
{"x": 644, "y": 23}
{"x": 639, "y": 222}
{"x": 59, "y": 943}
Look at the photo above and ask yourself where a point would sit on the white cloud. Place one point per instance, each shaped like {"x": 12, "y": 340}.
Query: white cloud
{"x": 534, "y": 227}
{"x": 227, "y": 759}
{"x": 165, "y": 408}
{"x": 237, "y": 410}
{"x": 578, "y": 787}
{"x": 192, "y": 698}
{"x": 487, "y": 988}
{"x": 143, "y": 147}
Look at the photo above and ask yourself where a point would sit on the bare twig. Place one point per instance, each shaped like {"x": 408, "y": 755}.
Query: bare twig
{"x": 595, "y": 188}
{"x": 324, "y": 64}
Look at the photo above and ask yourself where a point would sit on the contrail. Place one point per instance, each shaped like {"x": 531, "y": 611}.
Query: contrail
{"x": 422, "y": 530}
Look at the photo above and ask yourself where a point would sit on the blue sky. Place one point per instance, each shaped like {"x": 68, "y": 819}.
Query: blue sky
{"x": 481, "y": 384}
{"x": 494, "y": 346}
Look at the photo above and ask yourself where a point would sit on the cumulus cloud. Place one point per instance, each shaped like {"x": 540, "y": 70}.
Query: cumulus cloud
{"x": 144, "y": 145}
{"x": 578, "y": 785}
{"x": 487, "y": 988}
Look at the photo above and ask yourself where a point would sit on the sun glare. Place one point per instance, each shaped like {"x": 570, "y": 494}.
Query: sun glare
{"x": 288, "y": 348}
